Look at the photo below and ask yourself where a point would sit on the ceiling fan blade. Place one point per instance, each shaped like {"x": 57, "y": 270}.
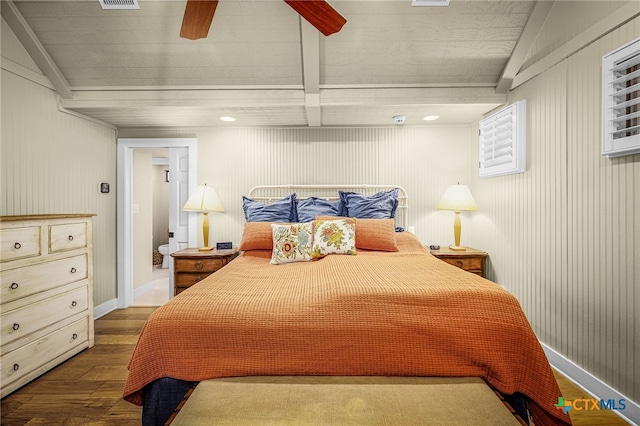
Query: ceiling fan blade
{"x": 320, "y": 14}
{"x": 197, "y": 18}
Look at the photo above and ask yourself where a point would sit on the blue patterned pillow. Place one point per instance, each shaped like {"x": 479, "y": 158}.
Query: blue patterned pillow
{"x": 278, "y": 211}
{"x": 311, "y": 207}
{"x": 382, "y": 205}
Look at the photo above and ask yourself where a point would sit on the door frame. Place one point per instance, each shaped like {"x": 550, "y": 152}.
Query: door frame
{"x": 124, "y": 236}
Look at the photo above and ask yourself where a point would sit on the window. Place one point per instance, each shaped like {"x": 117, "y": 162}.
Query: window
{"x": 621, "y": 101}
{"x": 503, "y": 141}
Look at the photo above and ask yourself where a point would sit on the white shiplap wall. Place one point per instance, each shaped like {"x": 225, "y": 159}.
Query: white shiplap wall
{"x": 564, "y": 236}
{"x": 422, "y": 160}
{"x": 52, "y": 162}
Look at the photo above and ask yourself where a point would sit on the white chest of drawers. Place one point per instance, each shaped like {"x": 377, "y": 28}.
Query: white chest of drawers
{"x": 46, "y": 294}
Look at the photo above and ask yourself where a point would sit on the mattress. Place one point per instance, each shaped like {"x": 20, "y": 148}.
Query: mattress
{"x": 374, "y": 313}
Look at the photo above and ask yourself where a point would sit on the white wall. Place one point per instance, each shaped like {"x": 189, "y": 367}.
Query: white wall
{"x": 564, "y": 236}
{"x": 422, "y": 160}
{"x": 52, "y": 161}
{"x": 142, "y": 220}
{"x": 160, "y": 206}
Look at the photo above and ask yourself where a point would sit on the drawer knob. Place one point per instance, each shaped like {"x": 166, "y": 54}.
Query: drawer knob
{"x": 75, "y": 336}
{"x": 13, "y": 286}
{"x": 16, "y": 367}
{"x": 70, "y": 237}
{"x": 17, "y": 246}
{"x": 459, "y": 264}
{"x": 198, "y": 266}
{"x": 74, "y": 304}
{"x": 73, "y": 270}
{"x": 15, "y": 326}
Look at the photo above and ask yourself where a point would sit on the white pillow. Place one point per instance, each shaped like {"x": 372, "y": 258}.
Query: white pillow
{"x": 334, "y": 236}
{"x": 291, "y": 242}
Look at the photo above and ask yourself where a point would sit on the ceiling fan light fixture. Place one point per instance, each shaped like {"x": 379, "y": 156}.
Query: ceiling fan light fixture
{"x": 228, "y": 118}
{"x": 119, "y": 4}
{"x": 430, "y": 117}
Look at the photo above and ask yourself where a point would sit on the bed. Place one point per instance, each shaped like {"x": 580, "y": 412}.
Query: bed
{"x": 384, "y": 308}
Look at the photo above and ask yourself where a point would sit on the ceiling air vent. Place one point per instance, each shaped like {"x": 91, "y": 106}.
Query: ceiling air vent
{"x": 119, "y": 4}
{"x": 429, "y": 2}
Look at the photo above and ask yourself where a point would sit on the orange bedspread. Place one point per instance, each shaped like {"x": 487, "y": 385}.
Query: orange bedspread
{"x": 377, "y": 313}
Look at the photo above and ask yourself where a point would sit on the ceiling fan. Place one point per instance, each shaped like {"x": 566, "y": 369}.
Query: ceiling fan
{"x": 198, "y": 15}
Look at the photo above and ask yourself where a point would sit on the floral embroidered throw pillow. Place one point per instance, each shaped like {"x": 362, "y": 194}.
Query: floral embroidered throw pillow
{"x": 291, "y": 242}
{"x": 334, "y": 236}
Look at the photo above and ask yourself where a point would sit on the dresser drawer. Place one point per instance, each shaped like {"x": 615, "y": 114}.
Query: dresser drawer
{"x": 198, "y": 265}
{"x": 17, "y": 243}
{"x": 67, "y": 236}
{"x": 28, "y": 280}
{"x": 28, "y": 358}
{"x": 20, "y": 322}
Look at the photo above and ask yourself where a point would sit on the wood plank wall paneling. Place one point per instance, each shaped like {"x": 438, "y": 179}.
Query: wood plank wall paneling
{"x": 52, "y": 162}
{"x": 422, "y": 160}
{"x": 564, "y": 236}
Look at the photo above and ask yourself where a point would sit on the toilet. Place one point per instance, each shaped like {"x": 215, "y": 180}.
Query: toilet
{"x": 164, "y": 251}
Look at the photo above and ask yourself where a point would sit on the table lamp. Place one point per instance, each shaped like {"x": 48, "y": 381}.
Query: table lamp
{"x": 457, "y": 198}
{"x": 204, "y": 199}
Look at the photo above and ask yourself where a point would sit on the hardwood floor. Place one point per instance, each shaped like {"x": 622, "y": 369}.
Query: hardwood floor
{"x": 87, "y": 389}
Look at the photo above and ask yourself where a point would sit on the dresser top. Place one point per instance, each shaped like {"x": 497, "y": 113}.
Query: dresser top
{"x": 45, "y": 216}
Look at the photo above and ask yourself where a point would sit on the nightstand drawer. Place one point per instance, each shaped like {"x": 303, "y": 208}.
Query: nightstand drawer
{"x": 474, "y": 265}
{"x": 470, "y": 260}
{"x": 198, "y": 265}
{"x": 187, "y": 280}
{"x": 191, "y": 265}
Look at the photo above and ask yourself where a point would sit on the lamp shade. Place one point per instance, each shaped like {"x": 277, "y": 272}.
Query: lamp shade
{"x": 204, "y": 199}
{"x": 457, "y": 198}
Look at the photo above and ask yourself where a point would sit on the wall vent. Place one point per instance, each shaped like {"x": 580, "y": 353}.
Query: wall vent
{"x": 119, "y": 4}
{"x": 429, "y": 2}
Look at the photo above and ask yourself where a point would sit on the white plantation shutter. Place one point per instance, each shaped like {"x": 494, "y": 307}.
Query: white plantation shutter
{"x": 621, "y": 101}
{"x": 503, "y": 141}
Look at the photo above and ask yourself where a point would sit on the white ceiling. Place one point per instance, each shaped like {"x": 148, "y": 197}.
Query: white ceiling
{"x": 265, "y": 66}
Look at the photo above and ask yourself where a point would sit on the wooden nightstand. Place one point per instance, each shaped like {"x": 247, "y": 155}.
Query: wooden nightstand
{"x": 471, "y": 260}
{"x": 191, "y": 265}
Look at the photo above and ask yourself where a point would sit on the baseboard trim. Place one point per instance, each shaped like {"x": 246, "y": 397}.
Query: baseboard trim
{"x": 104, "y": 309}
{"x": 594, "y": 386}
{"x": 137, "y": 292}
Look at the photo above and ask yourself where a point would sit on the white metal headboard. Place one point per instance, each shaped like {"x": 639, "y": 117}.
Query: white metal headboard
{"x": 270, "y": 193}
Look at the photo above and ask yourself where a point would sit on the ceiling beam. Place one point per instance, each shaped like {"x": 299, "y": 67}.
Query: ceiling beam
{"x": 530, "y": 32}
{"x": 100, "y": 99}
{"x": 36, "y": 50}
{"x": 311, "y": 72}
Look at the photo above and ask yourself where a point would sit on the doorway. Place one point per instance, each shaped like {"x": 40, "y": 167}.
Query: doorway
{"x": 183, "y": 163}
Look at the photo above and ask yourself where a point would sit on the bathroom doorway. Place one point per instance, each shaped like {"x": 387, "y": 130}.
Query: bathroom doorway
{"x": 150, "y": 226}
{"x": 182, "y": 172}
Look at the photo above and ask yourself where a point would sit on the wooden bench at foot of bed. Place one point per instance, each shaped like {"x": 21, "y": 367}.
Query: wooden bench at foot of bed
{"x": 335, "y": 400}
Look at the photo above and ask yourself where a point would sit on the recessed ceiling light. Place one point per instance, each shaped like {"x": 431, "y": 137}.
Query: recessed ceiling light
{"x": 430, "y": 117}
{"x": 227, "y": 118}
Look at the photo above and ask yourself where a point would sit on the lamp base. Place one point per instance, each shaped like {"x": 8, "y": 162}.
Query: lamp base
{"x": 457, "y": 248}
{"x": 205, "y": 249}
